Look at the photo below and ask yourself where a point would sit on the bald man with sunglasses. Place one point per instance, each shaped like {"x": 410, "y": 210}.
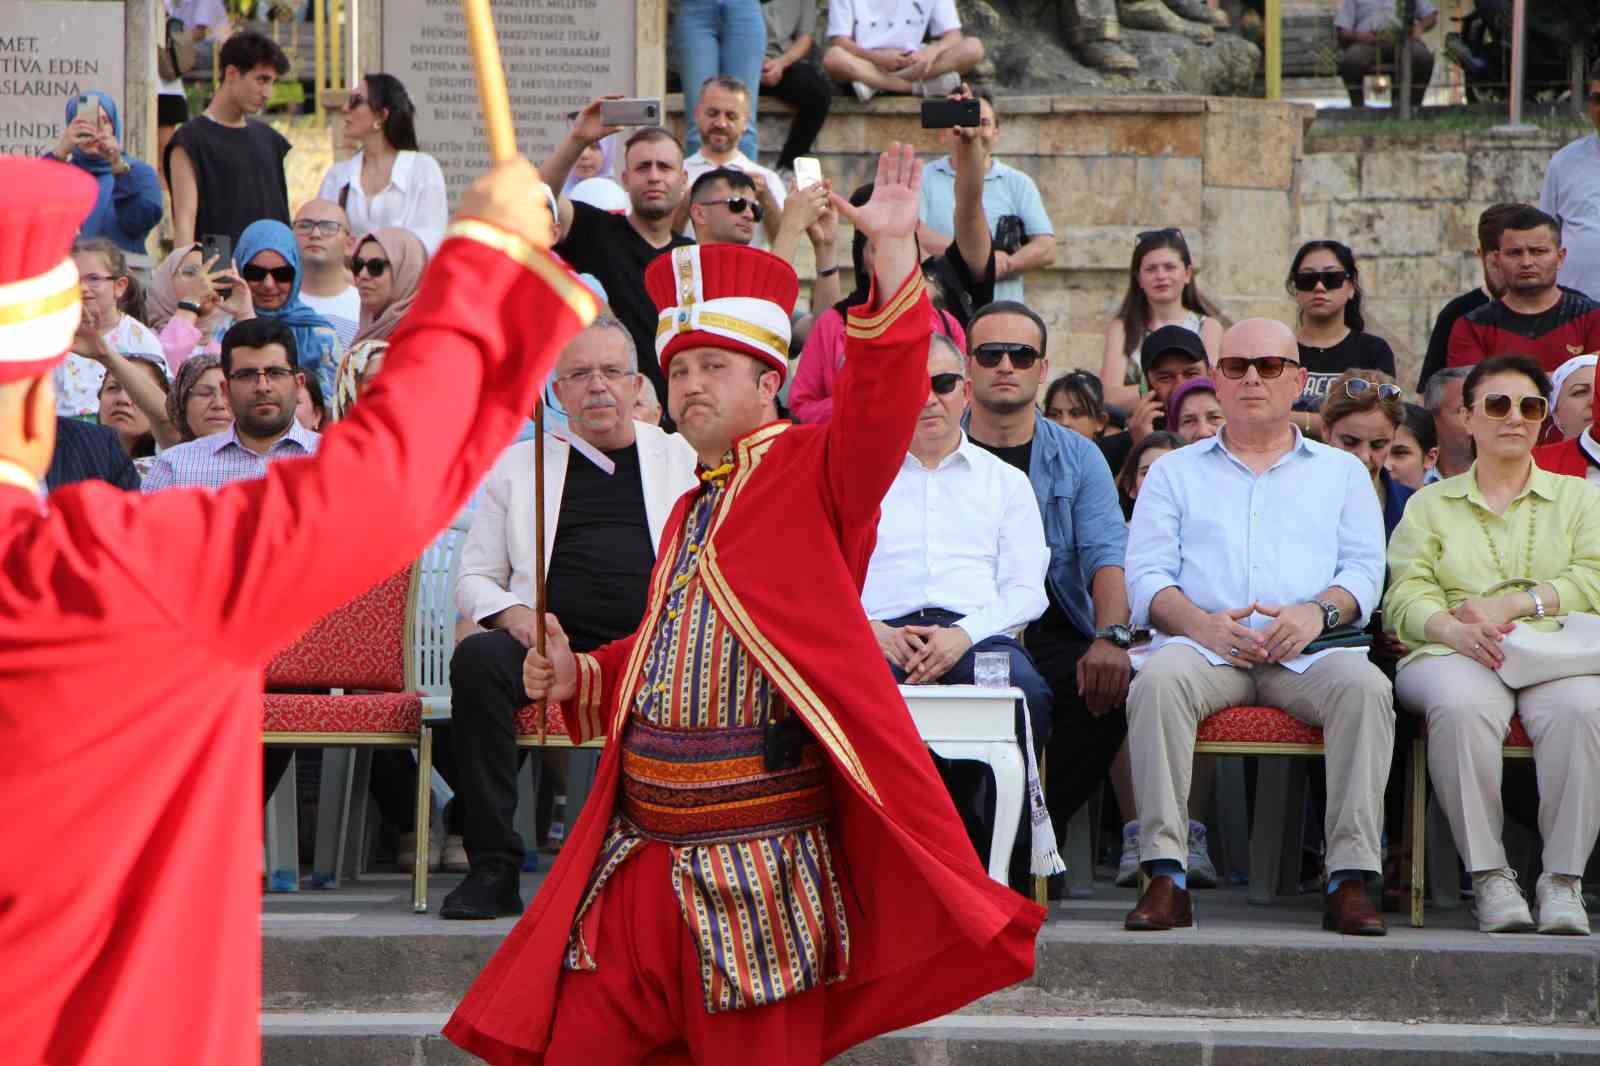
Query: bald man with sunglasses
{"x": 1247, "y": 553}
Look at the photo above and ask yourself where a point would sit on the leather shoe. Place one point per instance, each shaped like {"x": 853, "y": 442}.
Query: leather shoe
{"x": 1347, "y": 910}
{"x": 488, "y": 891}
{"x": 1163, "y": 906}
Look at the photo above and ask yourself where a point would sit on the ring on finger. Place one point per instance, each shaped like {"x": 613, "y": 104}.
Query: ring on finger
{"x": 1234, "y": 651}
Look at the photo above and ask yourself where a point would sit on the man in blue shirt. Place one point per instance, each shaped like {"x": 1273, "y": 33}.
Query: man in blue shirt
{"x": 1080, "y": 645}
{"x": 1571, "y": 192}
{"x": 1024, "y": 236}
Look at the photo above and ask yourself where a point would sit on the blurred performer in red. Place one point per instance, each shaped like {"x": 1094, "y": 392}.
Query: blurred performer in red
{"x": 768, "y": 869}
{"x": 134, "y": 629}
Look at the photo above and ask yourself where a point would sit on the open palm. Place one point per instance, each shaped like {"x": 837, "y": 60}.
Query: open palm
{"x": 896, "y": 191}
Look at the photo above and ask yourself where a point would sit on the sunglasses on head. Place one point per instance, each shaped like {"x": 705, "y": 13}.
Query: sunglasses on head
{"x": 737, "y": 205}
{"x": 1306, "y": 280}
{"x": 1497, "y": 405}
{"x": 1022, "y": 356}
{"x": 373, "y": 267}
{"x": 1357, "y": 389}
{"x": 283, "y": 275}
{"x": 1151, "y": 234}
{"x": 944, "y": 384}
{"x": 1234, "y": 367}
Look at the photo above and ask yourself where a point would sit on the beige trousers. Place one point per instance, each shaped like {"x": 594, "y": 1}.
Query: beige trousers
{"x": 1468, "y": 710}
{"x": 1343, "y": 693}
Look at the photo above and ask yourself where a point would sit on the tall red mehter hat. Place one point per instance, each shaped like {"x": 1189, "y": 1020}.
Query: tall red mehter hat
{"x": 723, "y": 296}
{"x": 42, "y": 205}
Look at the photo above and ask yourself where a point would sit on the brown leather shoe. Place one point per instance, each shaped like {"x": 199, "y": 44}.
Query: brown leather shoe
{"x": 1163, "y": 906}
{"x": 1347, "y": 910}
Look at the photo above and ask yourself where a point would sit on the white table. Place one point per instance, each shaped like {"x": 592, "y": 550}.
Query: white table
{"x": 969, "y": 722}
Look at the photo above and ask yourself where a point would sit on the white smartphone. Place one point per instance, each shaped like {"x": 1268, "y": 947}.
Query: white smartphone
{"x": 635, "y": 112}
{"x": 807, "y": 171}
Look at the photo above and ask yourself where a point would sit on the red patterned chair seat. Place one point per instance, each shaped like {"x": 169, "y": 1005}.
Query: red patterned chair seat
{"x": 1256, "y": 725}
{"x": 1518, "y": 737}
{"x": 380, "y": 712}
{"x": 554, "y": 724}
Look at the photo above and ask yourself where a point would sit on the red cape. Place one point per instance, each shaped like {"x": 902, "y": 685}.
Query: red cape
{"x": 784, "y": 563}
{"x": 133, "y": 633}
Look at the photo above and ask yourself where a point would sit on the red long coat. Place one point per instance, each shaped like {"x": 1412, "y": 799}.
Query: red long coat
{"x": 784, "y": 564}
{"x": 133, "y": 634}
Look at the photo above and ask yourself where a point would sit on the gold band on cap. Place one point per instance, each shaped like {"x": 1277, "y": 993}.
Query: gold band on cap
{"x": 40, "y": 307}
{"x": 764, "y": 337}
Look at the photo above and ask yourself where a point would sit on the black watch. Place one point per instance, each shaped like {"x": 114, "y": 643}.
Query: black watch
{"x": 189, "y": 305}
{"x": 1116, "y": 633}
{"x": 1330, "y": 614}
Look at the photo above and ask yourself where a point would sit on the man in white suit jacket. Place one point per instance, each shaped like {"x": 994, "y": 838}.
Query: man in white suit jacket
{"x": 608, "y": 494}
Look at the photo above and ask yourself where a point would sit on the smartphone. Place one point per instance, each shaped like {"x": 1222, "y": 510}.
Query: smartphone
{"x": 807, "y": 171}
{"x": 943, "y": 114}
{"x": 220, "y": 246}
{"x": 88, "y": 109}
{"x": 639, "y": 112}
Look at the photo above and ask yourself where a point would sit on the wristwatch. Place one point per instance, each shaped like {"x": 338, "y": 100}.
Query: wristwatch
{"x": 1330, "y": 614}
{"x": 190, "y": 306}
{"x": 1116, "y": 633}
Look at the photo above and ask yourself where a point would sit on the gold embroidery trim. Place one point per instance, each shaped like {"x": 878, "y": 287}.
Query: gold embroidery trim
{"x": 765, "y": 337}
{"x": 571, "y": 291}
{"x": 43, "y": 306}
{"x": 865, "y": 327}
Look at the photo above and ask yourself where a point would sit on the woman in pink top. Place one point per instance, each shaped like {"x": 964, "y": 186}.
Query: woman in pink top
{"x": 182, "y": 278}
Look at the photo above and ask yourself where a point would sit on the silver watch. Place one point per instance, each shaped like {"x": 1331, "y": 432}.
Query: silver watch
{"x": 1330, "y": 614}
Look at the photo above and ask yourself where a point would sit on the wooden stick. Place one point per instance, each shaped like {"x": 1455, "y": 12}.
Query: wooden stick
{"x": 538, "y": 545}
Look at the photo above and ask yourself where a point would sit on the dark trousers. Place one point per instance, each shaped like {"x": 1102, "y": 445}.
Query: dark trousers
{"x": 481, "y": 758}
{"x": 1082, "y": 746}
{"x": 1359, "y": 60}
{"x": 811, "y": 94}
{"x": 393, "y": 783}
{"x": 971, "y": 784}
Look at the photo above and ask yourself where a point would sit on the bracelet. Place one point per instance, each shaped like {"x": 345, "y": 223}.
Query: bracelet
{"x": 830, "y": 272}
{"x": 1538, "y": 603}
{"x": 190, "y": 306}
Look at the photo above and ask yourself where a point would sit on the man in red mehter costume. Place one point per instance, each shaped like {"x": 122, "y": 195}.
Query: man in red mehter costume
{"x": 1578, "y": 456}
{"x": 134, "y": 629}
{"x": 768, "y": 869}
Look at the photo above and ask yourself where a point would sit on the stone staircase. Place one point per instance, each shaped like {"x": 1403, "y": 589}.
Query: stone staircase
{"x": 352, "y": 978}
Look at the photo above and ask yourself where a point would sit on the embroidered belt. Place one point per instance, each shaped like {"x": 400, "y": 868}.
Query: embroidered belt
{"x": 712, "y": 786}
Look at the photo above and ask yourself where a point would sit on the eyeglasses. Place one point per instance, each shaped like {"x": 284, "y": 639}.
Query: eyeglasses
{"x": 1357, "y": 389}
{"x": 737, "y": 205}
{"x": 607, "y": 373}
{"x": 1497, "y": 405}
{"x": 326, "y": 226}
{"x": 1022, "y": 356}
{"x": 97, "y": 279}
{"x": 373, "y": 267}
{"x": 249, "y": 375}
{"x": 944, "y": 384}
{"x": 1150, "y": 234}
{"x": 1234, "y": 367}
{"x": 353, "y": 101}
{"x": 1306, "y": 280}
{"x": 283, "y": 275}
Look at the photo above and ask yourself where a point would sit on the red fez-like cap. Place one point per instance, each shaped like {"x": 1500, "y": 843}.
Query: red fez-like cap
{"x": 42, "y": 205}
{"x": 723, "y": 296}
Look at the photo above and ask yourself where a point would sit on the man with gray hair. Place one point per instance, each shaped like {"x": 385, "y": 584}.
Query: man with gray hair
{"x": 1442, "y": 398}
{"x": 609, "y": 490}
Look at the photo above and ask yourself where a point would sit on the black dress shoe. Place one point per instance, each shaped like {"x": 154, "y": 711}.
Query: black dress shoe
{"x": 487, "y": 892}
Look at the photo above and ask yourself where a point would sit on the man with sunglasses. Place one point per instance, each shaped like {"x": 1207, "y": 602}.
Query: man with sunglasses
{"x": 323, "y": 233}
{"x": 721, "y": 114}
{"x": 1081, "y": 640}
{"x": 1244, "y": 549}
{"x": 724, "y": 210}
{"x": 1571, "y": 192}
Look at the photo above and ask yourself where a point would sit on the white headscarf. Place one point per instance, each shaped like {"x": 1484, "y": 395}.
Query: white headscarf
{"x": 1565, "y": 371}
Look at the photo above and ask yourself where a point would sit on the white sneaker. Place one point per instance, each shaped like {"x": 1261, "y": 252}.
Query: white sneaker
{"x": 1201, "y": 873}
{"x": 943, "y": 85}
{"x": 864, "y": 92}
{"x": 1561, "y": 908}
{"x": 1498, "y": 904}
{"x": 1128, "y": 868}
{"x": 453, "y": 859}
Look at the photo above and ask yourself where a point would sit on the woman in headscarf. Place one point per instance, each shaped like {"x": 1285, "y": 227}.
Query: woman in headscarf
{"x": 129, "y": 205}
{"x": 197, "y": 405}
{"x": 186, "y": 308}
{"x": 388, "y": 267}
{"x": 268, "y": 259}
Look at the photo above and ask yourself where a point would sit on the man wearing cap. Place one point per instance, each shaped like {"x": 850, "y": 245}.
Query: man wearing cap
{"x": 137, "y": 774}
{"x": 1169, "y": 356}
{"x": 759, "y": 774}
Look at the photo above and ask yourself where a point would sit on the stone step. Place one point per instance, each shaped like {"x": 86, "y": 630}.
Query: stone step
{"x": 360, "y": 949}
{"x": 361, "y": 1039}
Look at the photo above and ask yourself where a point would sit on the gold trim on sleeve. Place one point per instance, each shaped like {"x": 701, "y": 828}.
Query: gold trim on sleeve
{"x": 867, "y": 326}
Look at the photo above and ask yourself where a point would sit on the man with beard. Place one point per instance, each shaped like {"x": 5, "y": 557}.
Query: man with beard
{"x": 617, "y": 248}
{"x": 721, "y": 114}
{"x": 1490, "y": 225}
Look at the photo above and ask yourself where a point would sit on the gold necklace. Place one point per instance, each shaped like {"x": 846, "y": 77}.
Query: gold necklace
{"x": 1494, "y": 549}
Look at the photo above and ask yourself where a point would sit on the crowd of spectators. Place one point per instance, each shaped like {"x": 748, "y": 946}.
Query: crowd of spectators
{"x": 1181, "y": 531}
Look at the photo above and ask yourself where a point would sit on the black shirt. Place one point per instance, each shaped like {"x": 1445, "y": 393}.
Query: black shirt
{"x": 1017, "y": 455}
{"x": 1438, "y": 356}
{"x": 1358, "y": 351}
{"x": 608, "y": 247}
{"x": 238, "y": 173}
{"x": 600, "y": 563}
{"x": 1115, "y": 447}
{"x": 966, "y": 292}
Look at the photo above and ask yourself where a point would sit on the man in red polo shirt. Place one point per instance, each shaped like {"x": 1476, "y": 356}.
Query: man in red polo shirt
{"x": 1535, "y": 316}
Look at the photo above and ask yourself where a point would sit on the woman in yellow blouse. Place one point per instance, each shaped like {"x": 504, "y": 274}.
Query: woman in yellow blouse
{"x": 1503, "y": 519}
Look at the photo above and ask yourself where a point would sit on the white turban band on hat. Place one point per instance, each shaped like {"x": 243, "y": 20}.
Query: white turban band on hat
{"x": 759, "y": 324}
{"x": 39, "y": 315}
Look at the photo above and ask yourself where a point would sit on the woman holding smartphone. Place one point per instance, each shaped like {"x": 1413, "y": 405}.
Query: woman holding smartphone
{"x": 129, "y": 205}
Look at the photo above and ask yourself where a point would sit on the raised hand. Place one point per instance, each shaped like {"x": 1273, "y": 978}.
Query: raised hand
{"x": 511, "y": 196}
{"x": 587, "y": 127}
{"x": 892, "y": 211}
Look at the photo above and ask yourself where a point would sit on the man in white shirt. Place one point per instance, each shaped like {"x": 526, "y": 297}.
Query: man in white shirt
{"x": 1246, "y": 547}
{"x": 323, "y": 233}
{"x": 602, "y": 528}
{"x": 721, "y": 114}
{"x": 958, "y": 569}
{"x": 880, "y": 46}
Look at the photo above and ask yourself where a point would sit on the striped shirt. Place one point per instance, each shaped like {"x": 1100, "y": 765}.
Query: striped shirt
{"x": 220, "y": 459}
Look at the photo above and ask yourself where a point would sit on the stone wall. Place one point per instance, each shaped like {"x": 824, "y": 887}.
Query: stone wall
{"x": 1408, "y": 206}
